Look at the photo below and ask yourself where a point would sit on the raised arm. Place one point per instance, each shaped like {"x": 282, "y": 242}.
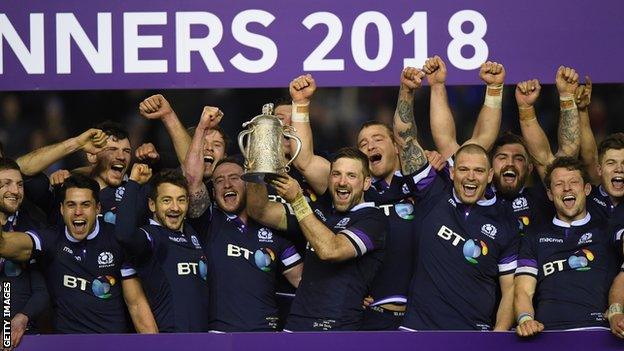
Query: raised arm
{"x": 537, "y": 143}
{"x": 327, "y": 245}
{"x": 269, "y": 213}
{"x": 138, "y": 307}
{"x": 589, "y": 150}
{"x": 127, "y": 233}
{"x": 193, "y": 166}
{"x": 314, "y": 168}
{"x": 158, "y": 108}
{"x": 90, "y": 141}
{"x": 411, "y": 153}
{"x": 15, "y": 246}
{"x": 523, "y": 306}
{"x": 569, "y": 130}
{"x": 440, "y": 115}
{"x": 488, "y": 123}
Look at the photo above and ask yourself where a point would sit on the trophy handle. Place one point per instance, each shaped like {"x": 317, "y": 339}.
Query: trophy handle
{"x": 289, "y": 132}
{"x": 241, "y": 139}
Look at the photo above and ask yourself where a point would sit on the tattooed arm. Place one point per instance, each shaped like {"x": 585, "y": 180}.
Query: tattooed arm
{"x": 411, "y": 153}
{"x": 569, "y": 129}
{"x": 199, "y": 199}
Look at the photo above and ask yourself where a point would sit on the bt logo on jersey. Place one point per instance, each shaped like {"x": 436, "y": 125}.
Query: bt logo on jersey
{"x": 447, "y": 234}
{"x": 195, "y": 268}
{"x": 474, "y": 248}
{"x": 578, "y": 261}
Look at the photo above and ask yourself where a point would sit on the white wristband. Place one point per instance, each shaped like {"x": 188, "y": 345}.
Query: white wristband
{"x": 300, "y": 112}
{"x": 494, "y": 96}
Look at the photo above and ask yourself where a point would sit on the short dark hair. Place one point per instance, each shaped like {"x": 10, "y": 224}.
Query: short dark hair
{"x": 171, "y": 176}
{"x": 508, "y": 138}
{"x": 614, "y": 141}
{"x": 80, "y": 181}
{"x": 472, "y": 148}
{"x": 569, "y": 163}
{"x": 226, "y": 138}
{"x": 113, "y": 129}
{"x": 282, "y": 101}
{"x": 8, "y": 163}
{"x": 354, "y": 154}
{"x": 373, "y": 122}
{"x": 235, "y": 159}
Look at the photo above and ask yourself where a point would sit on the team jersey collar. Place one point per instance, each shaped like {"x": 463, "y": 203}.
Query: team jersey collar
{"x": 156, "y": 223}
{"x": 361, "y": 206}
{"x": 559, "y": 223}
{"x": 12, "y": 220}
{"x": 602, "y": 191}
{"x": 382, "y": 182}
{"x": 91, "y": 235}
{"x": 494, "y": 190}
{"x": 483, "y": 202}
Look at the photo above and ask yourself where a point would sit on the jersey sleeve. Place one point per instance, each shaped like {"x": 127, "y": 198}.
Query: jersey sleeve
{"x": 126, "y": 226}
{"x": 426, "y": 182}
{"x": 527, "y": 257}
{"x": 127, "y": 270}
{"x": 368, "y": 233}
{"x": 42, "y": 242}
{"x": 288, "y": 255}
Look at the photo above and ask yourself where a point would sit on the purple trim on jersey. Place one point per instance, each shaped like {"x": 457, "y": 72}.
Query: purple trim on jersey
{"x": 290, "y": 251}
{"x": 425, "y": 177}
{"x": 365, "y": 239}
{"x": 508, "y": 259}
{"x": 36, "y": 239}
{"x": 527, "y": 262}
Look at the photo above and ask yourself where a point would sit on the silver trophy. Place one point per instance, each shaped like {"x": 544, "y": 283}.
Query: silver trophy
{"x": 264, "y": 152}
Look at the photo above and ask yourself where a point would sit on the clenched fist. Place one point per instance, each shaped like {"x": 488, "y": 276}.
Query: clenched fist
{"x": 492, "y": 73}
{"x": 411, "y": 78}
{"x": 155, "y": 107}
{"x": 140, "y": 173}
{"x": 147, "y": 153}
{"x": 210, "y": 118}
{"x": 435, "y": 69}
{"x": 566, "y": 81}
{"x": 302, "y": 88}
{"x": 527, "y": 93}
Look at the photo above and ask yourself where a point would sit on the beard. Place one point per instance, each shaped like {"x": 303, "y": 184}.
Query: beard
{"x": 509, "y": 190}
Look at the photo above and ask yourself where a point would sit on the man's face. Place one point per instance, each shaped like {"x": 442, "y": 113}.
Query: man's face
{"x": 170, "y": 206}
{"x": 229, "y": 187}
{"x": 214, "y": 151}
{"x": 112, "y": 162}
{"x": 11, "y": 191}
{"x": 511, "y": 166}
{"x": 79, "y": 211}
{"x": 347, "y": 183}
{"x": 568, "y": 192}
{"x": 611, "y": 171}
{"x": 383, "y": 155}
{"x": 471, "y": 175}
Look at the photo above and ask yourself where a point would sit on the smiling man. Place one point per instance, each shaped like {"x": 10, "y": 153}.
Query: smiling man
{"x": 84, "y": 267}
{"x": 565, "y": 269}
{"x": 244, "y": 256}
{"x": 170, "y": 258}
{"x": 346, "y": 238}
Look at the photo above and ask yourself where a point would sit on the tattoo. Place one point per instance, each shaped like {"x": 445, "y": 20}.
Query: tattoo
{"x": 569, "y": 132}
{"x": 412, "y": 155}
{"x": 199, "y": 201}
{"x": 405, "y": 110}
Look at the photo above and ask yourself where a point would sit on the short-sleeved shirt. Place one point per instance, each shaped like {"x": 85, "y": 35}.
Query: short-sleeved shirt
{"x": 574, "y": 265}
{"x": 23, "y": 276}
{"x": 599, "y": 204}
{"x": 462, "y": 251}
{"x": 530, "y": 206}
{"x": 330, "y": 294}
{"x": 395, "y": 200}
{"x": 244, "y": 260}
{"x": 84, "y": 278}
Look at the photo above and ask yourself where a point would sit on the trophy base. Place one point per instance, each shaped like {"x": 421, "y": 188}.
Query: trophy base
{"x": 259, "y": 177}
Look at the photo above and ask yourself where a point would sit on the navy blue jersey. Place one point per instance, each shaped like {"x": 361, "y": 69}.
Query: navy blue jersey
{"x": 574, "y": 265}
{"x": 172, "y": 267}
{"x": 84, "y": 279}
{"x": 395, "y": 201}
{"x": 530, "y": 206}
{"x": 599, "y": 204}
{"x": 110, "y": 199}
{"x": 330, "y": 294}
{"x": 461, "y": 250}
{"x": 244, "y": 259}
{"x": 29, "y": 294}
